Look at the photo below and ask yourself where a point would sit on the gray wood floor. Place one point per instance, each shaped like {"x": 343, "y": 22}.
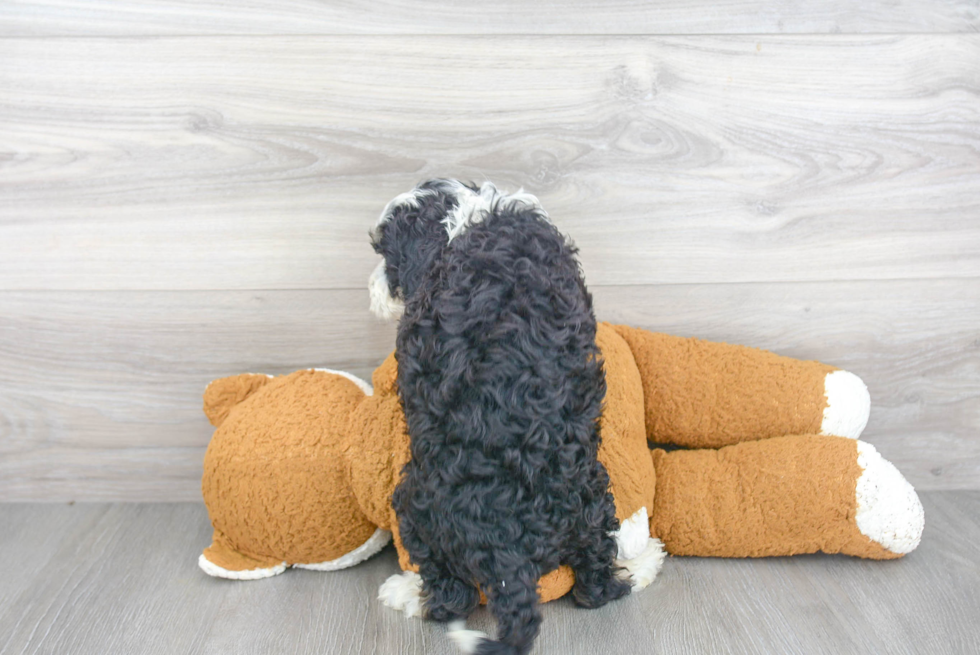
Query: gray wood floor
{"x": 123, "y": 578}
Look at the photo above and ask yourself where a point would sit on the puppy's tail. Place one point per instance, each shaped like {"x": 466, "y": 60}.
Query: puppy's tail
{"x": 515, "y": 606}
{"x": 474, "y": 642}
{"x": 490, "y": 647}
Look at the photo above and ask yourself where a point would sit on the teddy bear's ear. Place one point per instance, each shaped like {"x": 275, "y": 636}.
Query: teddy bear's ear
{"x": 223, "y": 394}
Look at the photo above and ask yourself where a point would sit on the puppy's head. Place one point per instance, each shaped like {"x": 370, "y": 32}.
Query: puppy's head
{"x": 416, "y": 227}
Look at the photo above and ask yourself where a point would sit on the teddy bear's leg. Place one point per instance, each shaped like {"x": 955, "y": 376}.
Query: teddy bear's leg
{"x": 701, "y": 394}
{"x": 783, "y": 496}
{"x": 221, "y": 560}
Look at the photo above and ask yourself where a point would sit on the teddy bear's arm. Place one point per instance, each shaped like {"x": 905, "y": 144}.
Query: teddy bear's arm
{"x": 784, "y": 496}
{"x": 702, "y": 394}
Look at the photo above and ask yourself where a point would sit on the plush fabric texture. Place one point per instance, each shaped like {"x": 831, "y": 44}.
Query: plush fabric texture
{"x": 782, "y": 496}
{"x": 624, "y": 450}
{"x": 275, "y": 480}
{"x": 225, "y": 555}
{"x": 378, "y": 448}
{"x": 222, "y": 395}
{"x": 753, "y": 394}
{"x": 302, "y": 467}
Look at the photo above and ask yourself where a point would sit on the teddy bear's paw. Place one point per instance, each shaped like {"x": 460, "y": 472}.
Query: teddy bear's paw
{"x": 643, "y": 569}
{"x": 369, "y": 548}
{"x": 848, "y": 405}
{"x": 403, "y": 591}
{"x": 888, "y": 509}
{"x": 216, "y": 571}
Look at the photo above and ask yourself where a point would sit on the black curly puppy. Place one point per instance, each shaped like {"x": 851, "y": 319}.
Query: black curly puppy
{"x": 502, "y": 384}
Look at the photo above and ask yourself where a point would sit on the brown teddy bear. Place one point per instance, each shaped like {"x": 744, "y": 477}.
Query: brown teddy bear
{"x": 301, "y": 467}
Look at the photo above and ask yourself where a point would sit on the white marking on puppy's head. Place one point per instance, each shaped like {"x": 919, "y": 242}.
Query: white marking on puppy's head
{"x": 416, "y": 226}
{"x": 407, "y": 199}
{"x": 383, "y": 304}
{"x": 473, "y": 207}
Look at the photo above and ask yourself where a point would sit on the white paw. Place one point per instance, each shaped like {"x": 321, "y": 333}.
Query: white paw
{"x": 403, "y": 591}
{"x": 888, "y": 509}
{"x": 633, "y": 534}
{"x": 383, "y": 304}
{"x": 467, "y": 640}
{"x": 848, "y": 405}
{"x": 643, "y": 569}
{"x": 216, "y": 571}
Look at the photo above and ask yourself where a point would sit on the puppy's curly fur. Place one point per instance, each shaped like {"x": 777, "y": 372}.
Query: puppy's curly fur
{"x": 502, "y": 384}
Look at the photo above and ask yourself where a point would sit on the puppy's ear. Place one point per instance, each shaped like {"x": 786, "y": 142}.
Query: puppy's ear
{"x": 411, "y": 239}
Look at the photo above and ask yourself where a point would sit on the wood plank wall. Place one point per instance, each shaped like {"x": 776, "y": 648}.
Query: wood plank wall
{"x": 186, "y": 189}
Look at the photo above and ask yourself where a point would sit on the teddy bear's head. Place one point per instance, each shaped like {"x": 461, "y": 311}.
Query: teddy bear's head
{"x": 276, "y": 474}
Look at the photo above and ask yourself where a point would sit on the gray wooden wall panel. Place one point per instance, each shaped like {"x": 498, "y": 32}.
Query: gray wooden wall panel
{"x": 85, "y": 17}
{"x": 100, "y": 392}
{"x": 221, "y": 162}
{"x": 178, "y": 208}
